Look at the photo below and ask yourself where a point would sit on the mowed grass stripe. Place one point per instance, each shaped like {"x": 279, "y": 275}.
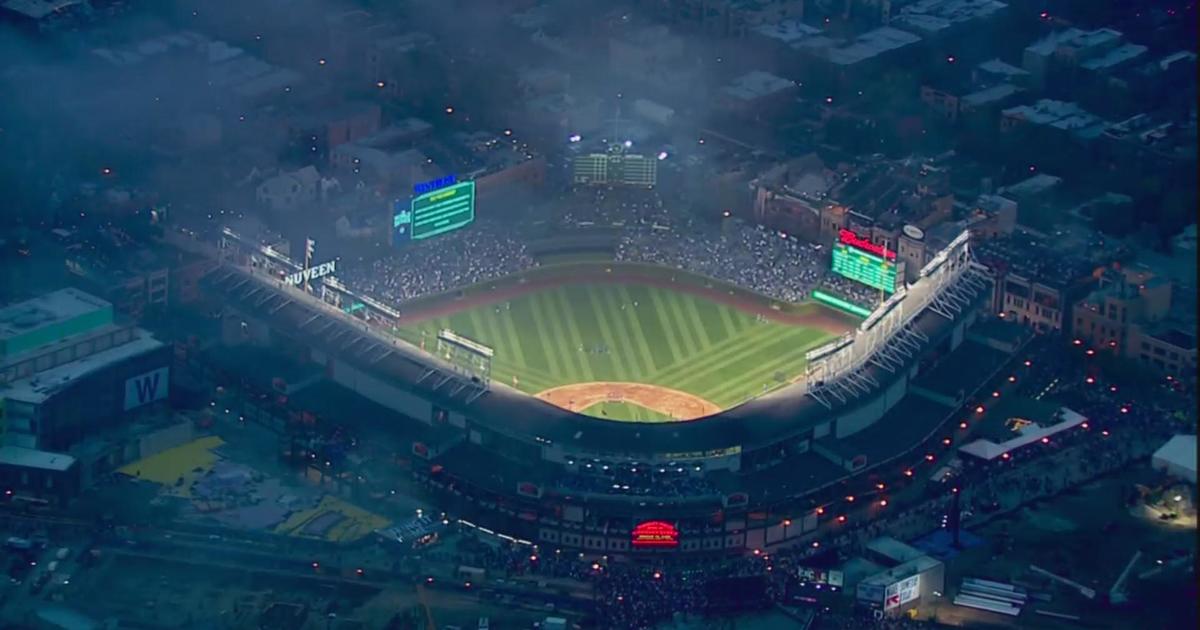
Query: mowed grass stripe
{"x": 753, "y": 343}
{"x": 729, "y": 347}
{"x": 688, "y": 305}
{"x": 557, "y": 337}
{"x": 532, "y": 349}
{"x": 731, "y": 328}
{"x": 709, "y": 319}
{"x": 512, "y": 337}
{"x": 611, "y": 315}
{"x": 743, "y": 375}
{"x": 574, "y": 338}
{"x": 620, "y": 367}
{"x": 664, "y": 324}
{"x": 661, "y": 353}
{"x": 790, "y": 361}
{"x": 633, "y": 335}
{"x": 754, "y": 372}
{"x": 551, "y": 354}
{"x": 690, "y": 343}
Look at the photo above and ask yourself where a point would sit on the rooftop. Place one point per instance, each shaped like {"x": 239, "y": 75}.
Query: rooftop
{"x": 755, "y": 85}
{"x": 931, "y": 16}
{"x": 38, "y": 9}
{"x": 1063, "y": 115}
{"x": 1075, "y": 38}
{"x": 41, "y": 386}
{"x": 1031, "y": 186}
{"x": 787, "y": 32}
{"x": 1000, "y": 68}
{"x": 901, "y": 571}
{"x": 872, "y": 44}
{"x": 990, "y": 95}
{"x": 45, "y": 310}
{"x": 1115, "y": 57}
{"x": 32, "y": 458}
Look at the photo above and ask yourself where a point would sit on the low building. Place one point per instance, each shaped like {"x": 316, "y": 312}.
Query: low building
{"x": 70, "y": 368}
{"x": 33, "y": 477}
{"x": 791, "y": 196}
{"x": 913, "y": 584}
{"x": 757, "y": 94}
{"x": 287, "y": 191}
{"x": 1177, "y": 458}
{"x": 1035, "y": 283}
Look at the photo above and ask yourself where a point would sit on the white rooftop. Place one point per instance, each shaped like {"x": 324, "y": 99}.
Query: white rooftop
{"x": 989, "y": 450}
{"x": 41, "y": 386}
{"x": 931, "y": 16}
{"x": 32, "y": 458}
{"x": 1073, "y": 37}
{"x": 1178, "y": 455}
{"x": 756, "y": 84}
{"x": 997, "y": 67}
{"x": 787, "y": 31}
{"x": 44, "y": 310}
{"x": 872, "y": 44}
{"x": 988, "y": 95}
{"x": 1115, "y": 57}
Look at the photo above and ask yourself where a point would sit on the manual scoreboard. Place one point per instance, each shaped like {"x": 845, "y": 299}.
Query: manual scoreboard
{"x": 434, "y": 212}
{"x": 869, "y": 269}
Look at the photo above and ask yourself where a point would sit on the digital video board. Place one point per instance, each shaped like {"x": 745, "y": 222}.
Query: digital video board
{"x": 860, "y": 266}
{"x": 434, "y": 212}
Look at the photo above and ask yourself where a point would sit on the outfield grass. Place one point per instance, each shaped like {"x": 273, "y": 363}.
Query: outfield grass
{"x": 594, "y": 332}
{"x": 628, "y": 412}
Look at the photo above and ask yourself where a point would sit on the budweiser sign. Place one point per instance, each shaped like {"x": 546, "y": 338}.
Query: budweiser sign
{"x": 850, "y": 238}
{"x": 655, "y": 534}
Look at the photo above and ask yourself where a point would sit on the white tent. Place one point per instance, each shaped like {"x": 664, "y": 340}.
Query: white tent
{"x": 1177, "y": 457}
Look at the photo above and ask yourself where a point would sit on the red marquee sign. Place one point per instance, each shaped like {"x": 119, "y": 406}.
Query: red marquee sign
{"x": 655, "y": 535}
{"x": 854, "y": 240}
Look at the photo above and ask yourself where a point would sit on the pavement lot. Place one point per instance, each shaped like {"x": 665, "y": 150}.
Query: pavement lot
{"x": 1087, "y": 535}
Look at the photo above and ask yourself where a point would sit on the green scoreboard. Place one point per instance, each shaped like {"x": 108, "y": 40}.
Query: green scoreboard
{"x": 437, "y": 212}
{"x": 863, "y": 267}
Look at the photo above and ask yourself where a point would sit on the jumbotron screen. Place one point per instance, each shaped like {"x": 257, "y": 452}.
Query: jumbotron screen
{"x": 433, "y": 213}
{"x": 860, "y": 266}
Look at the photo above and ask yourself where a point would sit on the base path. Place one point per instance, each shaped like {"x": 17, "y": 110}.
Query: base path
{"x": 664, "y": 400}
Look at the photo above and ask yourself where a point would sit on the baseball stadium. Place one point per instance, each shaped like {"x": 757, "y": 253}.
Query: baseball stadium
{"x": 625, "y": 343}
{"x": 582, "y": 403}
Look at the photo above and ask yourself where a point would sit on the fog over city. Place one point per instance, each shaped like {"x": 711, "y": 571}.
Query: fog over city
{"x": 672, "y": 314}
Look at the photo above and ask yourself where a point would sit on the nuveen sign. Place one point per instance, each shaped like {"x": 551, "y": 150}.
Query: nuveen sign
{"x": 312, "y": 273}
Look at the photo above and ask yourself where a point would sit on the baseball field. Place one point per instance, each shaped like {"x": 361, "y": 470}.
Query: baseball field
{"x": 631, "y": 352}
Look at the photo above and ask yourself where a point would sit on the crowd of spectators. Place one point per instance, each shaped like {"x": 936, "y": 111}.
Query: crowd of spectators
{"x": 745, "y": 255}
{"x": 484, "y": 252}
{"x": 749, "y": 256}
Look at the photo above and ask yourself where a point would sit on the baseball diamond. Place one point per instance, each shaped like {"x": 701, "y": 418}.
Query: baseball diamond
{"x": 628, "y": 334}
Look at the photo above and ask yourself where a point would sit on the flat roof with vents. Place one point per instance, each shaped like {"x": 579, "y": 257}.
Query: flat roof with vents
{"x": 50, "y": 318}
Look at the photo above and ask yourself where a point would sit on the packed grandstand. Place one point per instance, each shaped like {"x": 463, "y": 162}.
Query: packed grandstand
{"x": 743, "y": 254}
